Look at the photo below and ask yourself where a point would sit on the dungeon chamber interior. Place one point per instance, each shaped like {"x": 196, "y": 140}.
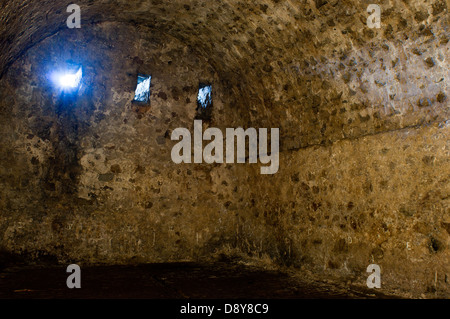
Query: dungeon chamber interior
{"x": 362, "y": 112}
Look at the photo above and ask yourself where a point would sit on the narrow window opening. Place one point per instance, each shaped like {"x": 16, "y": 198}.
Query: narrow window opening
{"x": 68, "y": 78}
{"x": 142, "y": 94}
{"x": 204, "y": 102}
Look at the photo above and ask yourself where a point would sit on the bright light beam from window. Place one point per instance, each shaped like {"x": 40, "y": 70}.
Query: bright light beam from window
{"x": 70, "y": 80}
{"x": 67, "y": 80}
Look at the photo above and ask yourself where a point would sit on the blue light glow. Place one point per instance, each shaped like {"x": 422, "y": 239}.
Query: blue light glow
{"x": 67, "y": 80}
{"x": 71, "y": 80}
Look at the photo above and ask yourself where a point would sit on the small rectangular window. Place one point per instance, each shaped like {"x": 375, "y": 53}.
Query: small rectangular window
{"x": 142, "y": 93}
{"x": 204, "y": 102}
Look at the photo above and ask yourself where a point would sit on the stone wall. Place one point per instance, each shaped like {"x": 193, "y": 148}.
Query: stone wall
{"x": 379, "y": 199}
{"x": 93, "y": 180}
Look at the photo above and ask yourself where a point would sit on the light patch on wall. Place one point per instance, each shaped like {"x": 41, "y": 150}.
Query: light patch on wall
{"x": 142, "y": 93}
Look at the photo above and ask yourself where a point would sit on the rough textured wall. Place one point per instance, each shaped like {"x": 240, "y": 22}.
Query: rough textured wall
{"x": 362, "y": 112}
{"x": 93, "y": 179}
{"x": 380, "y": 199}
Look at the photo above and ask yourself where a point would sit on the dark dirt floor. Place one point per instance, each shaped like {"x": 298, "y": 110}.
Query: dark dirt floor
{"x": 167, "y": 281}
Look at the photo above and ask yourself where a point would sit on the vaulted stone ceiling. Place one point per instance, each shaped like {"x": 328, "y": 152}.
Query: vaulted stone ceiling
{"x": 282, "y": 58}
{"x": 232, "y": 33}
